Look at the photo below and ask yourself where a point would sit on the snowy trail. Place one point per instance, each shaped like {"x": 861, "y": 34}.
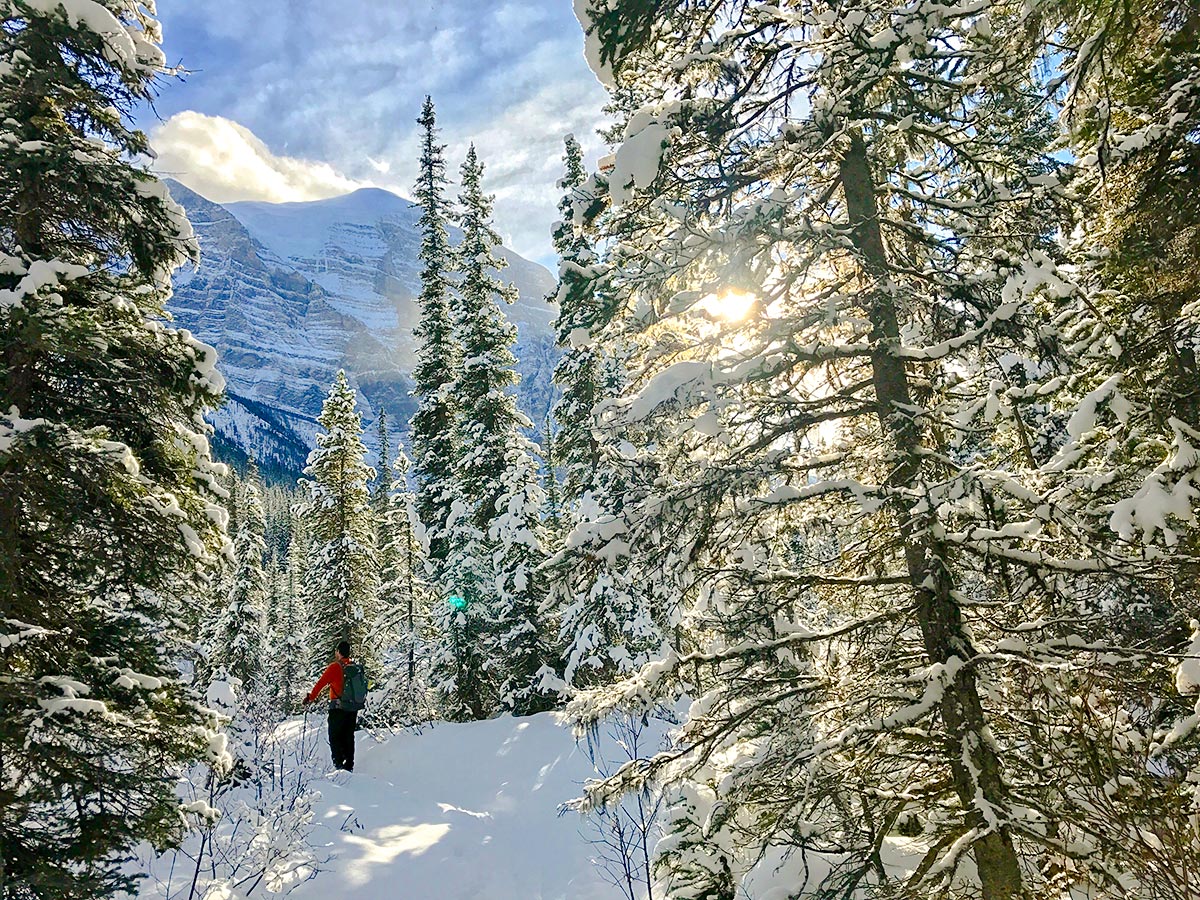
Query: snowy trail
{"x": 458, "y": 811}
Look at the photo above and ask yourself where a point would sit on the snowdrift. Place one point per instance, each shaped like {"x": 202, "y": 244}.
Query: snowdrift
{"x": 458, "y": 811}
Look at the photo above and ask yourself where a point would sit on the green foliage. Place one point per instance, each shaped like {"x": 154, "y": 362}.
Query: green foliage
{"x": 898, "y": 506}
{"x": 585, "y": 373}
{"x": 110, "y": 505}
{"x": 343, "y": 576}
{"x": 1134, "y": 97}
{"x": 402, "y": 630}
{"x": 439, "y": 356}
{"x": 240, "y": 627}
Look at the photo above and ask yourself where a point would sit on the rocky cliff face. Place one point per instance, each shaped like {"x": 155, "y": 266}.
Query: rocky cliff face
{"x": 291, "y": 292}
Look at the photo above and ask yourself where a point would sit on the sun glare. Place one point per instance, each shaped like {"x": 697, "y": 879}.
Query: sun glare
{"x": 729, "y": 305}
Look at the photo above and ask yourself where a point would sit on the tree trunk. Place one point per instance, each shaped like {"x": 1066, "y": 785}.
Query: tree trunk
{"x": 939, "y": 614}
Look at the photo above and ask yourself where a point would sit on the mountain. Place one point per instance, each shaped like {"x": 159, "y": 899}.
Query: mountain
{"x": 289, "y": 293}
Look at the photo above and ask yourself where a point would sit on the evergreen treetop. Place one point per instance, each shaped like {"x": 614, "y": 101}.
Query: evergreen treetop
{"x": 344, "y": 577}
{"x": 439, "y": 356}
{"x": 488, "y": 420}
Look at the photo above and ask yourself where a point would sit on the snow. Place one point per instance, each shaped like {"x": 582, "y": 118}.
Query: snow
{"x": 120, "y": 41}
{"x": 1187, "y": 675}
{"x": 12, "y": 425}
{"x": 22, "y": 632}
{"x": 187, "y": 245}
{"x": 592, "y": 44}
{"x": 39, "y": 275}
{"x": 687, "y": 381}
{"x": 301, "y": 229}
{"x": 222, "y": 696}
{"x": 640, "y": 156}
{"x": 205, "y": 375}
{"x": 458, "y": 811}
{"x": 1168, "y": 494}
{"x": 73, "y": 699}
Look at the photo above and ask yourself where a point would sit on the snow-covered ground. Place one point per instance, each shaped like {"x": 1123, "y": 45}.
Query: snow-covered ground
{"x": 454, "y": 812}
{"x": 458, "y": 811}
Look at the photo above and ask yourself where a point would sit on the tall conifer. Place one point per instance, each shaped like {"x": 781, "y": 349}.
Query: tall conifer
{"x": 343, "y": 579}
{"x": 404, "y": 598}
{"x": 289, "y": 663}
{"x": 240, "y": 627}
{"x": 383, "y": 472}
{"x": 582, "y": 373}
{"x": 491, "y": 554}
{"x": 109, "y": 510}
{"x": 439, "y": 357}
{"x": 907, "y": 473}
{"x": 603, "y": 615}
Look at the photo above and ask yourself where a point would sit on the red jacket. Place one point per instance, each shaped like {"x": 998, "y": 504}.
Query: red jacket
{"x": 333, "y": 678}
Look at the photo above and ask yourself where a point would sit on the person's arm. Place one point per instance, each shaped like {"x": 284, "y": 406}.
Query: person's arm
{"x": 326, "y": 681}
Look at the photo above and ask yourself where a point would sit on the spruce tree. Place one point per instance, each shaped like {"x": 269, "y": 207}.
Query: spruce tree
{"x": 582, "y": 373}
{"x": 293, "y": 647}
{"x": 555, "y": 515}
{"x": 383, "y": 473}
{"x": 903, "y": 488}
{"x": 343, "y": 575}
{"x": 240, "y": 627}
{"x": 403, "y": 604}
{"x": 468, "y": 660}
{"x": 271, "y": 688}
{"x": 1133, "y": 102}
{"x": 489, "y": 422}
{"x": 605, "y": 618}
{"x": 439, "y": 356}
{"x": 491, "y": 643}
{"x": 520, "y": 549}
{"x": 110, "y": 507}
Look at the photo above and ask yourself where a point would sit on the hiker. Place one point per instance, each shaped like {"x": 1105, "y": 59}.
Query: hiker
{"x": 347, "y": 693}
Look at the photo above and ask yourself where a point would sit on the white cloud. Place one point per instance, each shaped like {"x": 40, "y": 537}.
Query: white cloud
{"x": 225, "y": 161}
{"x": 345, "y": 90}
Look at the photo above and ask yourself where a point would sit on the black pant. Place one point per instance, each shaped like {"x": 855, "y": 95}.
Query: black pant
{"x": 342, "y": 723}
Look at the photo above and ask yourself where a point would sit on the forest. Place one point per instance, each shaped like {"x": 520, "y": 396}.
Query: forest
{"x": 872, "y": 476}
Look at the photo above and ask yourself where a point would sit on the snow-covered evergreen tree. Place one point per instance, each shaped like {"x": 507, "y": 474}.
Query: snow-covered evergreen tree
{"x": 582, "y": 374}
{"x": 439, "y": 357}
{"x": 555, "y": 516}
{"x": 607, "y": 621}
{"x": 1133, "y": 101}
{"x": 110, "y": 509}
{"x": 520, "y": 549}
{"x": 903, "y": 481}
{"x": 240, "y": 627}
{"x": 488, "y": 419}
{"x": 343, "y": 573}
{"x": 288, "y": 665}
{"x": 463, "y": 652}
{"x": 383, "y": 474}
{"x": 404, "y": 599}
{"x": 611, "y": 615}
{"x": 468, "y": 660}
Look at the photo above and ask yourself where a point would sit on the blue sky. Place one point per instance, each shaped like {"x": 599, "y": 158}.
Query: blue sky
{"x": 299, "y": 99}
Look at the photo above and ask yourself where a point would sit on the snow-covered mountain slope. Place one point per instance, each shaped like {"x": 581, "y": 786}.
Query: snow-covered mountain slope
{"x": 291, "y": 292}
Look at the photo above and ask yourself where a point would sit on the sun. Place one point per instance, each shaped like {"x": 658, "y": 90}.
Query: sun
{"x": 729, "y": 305}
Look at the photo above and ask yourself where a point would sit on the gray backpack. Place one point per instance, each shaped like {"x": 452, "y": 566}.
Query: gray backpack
{"x": 354, "y": 688}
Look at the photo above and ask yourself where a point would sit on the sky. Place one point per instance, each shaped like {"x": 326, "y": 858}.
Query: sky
{"x": 299, "y": 99}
